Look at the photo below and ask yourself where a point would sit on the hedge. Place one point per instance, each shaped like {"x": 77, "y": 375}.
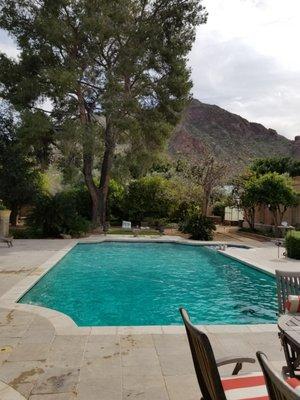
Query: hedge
{"x": 292, "y": 242}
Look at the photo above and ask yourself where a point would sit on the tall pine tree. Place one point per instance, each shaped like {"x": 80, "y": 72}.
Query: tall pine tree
{"x": 115, "y": 72}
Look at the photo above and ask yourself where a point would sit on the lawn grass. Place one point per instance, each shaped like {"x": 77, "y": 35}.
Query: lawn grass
{"x": 144, "y": 232}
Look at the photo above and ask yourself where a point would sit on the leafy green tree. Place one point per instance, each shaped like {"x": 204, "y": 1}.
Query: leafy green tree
{"x": 208, "y": 173}
{"x": 36, "y": 134}
{"x": 116, "y": 73}
{"x": 281, "y": 165}
{"x": 276, "y": 192}
{"x": 20, "y": 181}
{"x": 245, "y": 196}
{"x": 272, "y": 190}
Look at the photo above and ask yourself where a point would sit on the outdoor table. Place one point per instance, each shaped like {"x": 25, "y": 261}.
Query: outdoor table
{"x": 289, "y": 326}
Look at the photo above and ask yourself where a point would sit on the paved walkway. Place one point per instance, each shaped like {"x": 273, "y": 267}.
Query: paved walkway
{"x": 42, "y": 364}
{"x": 266, "y": 257}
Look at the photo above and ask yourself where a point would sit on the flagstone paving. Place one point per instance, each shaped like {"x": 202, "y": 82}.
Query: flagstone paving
{"x": 41, "y": 364}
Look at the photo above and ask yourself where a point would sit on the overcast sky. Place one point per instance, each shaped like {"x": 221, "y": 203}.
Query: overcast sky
{"x": 247, "y": 60}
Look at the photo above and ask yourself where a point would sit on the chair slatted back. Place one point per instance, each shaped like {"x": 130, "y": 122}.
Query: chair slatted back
{"x": 277, "y": 388}
{"x": 204, "y": 361}
{"x": 287, "y": 283}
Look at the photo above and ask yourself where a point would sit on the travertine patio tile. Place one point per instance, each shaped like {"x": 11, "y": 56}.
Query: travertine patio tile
{"x": 38, "y": 336}
{"x": 13, "y": 331}
{"x": 156, "y": 393}
{"x": 58, "y": 396}
{"x": 72, "y": 331}
{"x": 102, "y": 367}
{"x": 104, "y": 388}
{"x": 174, "y": 365}
{"x": 67, "y": 351}
{"x": 136, "y": 341}
{"x": 57, "y": 380}
{"x": 138, "y": 349}
{"x": 144, "y": 382}
{"x": 175, "y": 330}
{"x": 227, "y": 329}
{"x": 22, "y": 376}
{"x": 139, "y": 356}
{"x": 15, "y": 318}
{"x": 264, "y": 328}
{"x": 104, "y": 330}
{"x": 102, "y": 340}
{"x": 8, "y": 393}
{"x": 139, "y": 330}
{"x": 170, "y": 344}
{"x": 104, "y": 354}
{"x": 182, "y": 387}
{"x": 142, "y": 370}
{"x": 235, "y": 344}
{"x": 30, "y": 352}
{"x": 7, "y": 346}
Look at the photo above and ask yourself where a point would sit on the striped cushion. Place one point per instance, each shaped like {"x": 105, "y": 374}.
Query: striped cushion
{"x": 295, "y": 383}
{"x": 245, "y": 387}
{"x": 292, "y": 304}
{"x": 251, "y": 387}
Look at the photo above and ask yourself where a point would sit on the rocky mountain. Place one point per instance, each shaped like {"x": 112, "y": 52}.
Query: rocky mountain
{"x": 228, "y": 136}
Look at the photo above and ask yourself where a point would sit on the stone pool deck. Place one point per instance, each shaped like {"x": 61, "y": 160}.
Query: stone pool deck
{"x": 43, "y": 360}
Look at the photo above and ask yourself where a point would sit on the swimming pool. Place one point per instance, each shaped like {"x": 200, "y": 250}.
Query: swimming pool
{"x": 132, "y": 284}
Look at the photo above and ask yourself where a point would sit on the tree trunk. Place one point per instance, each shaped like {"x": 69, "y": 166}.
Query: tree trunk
{"x": 205, "y": 204}
{"x": 206, "y": 200}
{"x": 105, "y": 174}
{"x": 92, "y": 188}
{"x": 249, "y": 214}
{"x": 277, "y": 220}
{"x": 88, "y": 154}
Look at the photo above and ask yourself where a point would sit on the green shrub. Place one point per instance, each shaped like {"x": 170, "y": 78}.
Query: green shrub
{"x": 198, "y": 226}
{"x": 292, "y": 243}
{"x": 148, "y": 197}
{"x": 155, "y": 223}
{"x": 56, "y": 215}
{"x": 24, "y": 232}
{"x": 82, "y": 201}
{"x": 116, "y": 202}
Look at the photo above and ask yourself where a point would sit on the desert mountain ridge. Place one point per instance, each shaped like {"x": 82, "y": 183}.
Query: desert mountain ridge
{"x": 230, "y": 137}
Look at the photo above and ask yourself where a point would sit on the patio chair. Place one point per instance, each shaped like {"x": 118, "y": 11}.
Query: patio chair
{"x": 277, "y": 387}
{"x": 288, "y": 283}
{"x": 212, "y": 386}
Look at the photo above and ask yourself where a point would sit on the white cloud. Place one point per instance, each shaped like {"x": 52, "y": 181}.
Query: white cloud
{"x": 246, "y": 60}
{"x": 7, "y": 45}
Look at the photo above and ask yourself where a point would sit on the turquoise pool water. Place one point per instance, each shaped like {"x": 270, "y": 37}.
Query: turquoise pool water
{"x": 115, "y": 284}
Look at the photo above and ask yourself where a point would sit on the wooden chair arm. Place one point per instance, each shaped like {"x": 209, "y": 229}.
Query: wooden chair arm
{"x": 238, "y": 361}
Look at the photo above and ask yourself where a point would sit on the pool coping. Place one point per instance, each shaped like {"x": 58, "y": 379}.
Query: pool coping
{"x": 64, "y": 325}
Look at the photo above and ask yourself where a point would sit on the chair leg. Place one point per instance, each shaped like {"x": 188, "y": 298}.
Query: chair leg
{"x": 237, "y": 368}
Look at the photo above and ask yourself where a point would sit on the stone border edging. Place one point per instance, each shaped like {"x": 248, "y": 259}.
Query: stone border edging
{"x": 8, "y": 393}
{"x": 64, "y": 325}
